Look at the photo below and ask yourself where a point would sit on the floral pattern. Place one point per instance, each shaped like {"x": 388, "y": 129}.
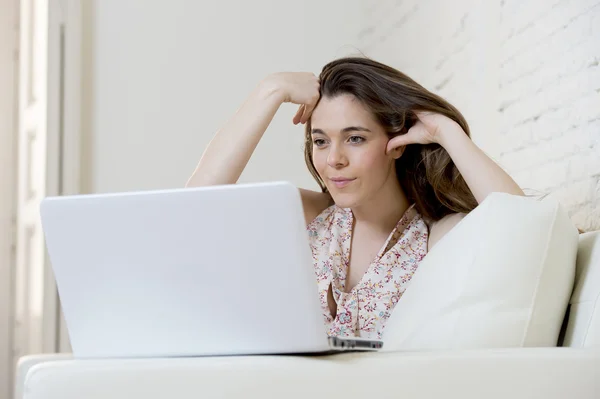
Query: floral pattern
{"x": 363, "y": 311}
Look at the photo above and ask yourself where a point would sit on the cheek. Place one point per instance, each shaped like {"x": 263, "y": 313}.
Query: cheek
{"x": 371, "y": 161}
{"x": 319, "y": 158}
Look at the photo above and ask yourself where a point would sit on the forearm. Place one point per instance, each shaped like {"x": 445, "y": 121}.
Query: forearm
{"x": 481, "y": 173}
{"x": 228, "y": 153}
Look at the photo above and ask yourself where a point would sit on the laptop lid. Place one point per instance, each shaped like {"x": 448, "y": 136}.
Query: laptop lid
{"x": 185, "y": 272}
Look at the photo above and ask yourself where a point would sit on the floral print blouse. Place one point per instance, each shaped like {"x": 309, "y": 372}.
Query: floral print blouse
{"x": 363, "y": 310}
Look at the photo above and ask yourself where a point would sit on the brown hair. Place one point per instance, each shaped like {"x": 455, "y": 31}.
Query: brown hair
{"x": 426, "y": 173}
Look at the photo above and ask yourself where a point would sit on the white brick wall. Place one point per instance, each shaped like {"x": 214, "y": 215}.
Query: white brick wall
{"x": 526, "y": 75}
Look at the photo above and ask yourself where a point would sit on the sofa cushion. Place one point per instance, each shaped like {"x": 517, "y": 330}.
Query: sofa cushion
{"x": 583, "y": 328}
{"x": 502, "y": 277}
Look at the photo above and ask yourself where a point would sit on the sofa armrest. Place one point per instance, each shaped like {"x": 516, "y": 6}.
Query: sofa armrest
{"x": 27, "y": 362}
{"x": 548, "y": 373}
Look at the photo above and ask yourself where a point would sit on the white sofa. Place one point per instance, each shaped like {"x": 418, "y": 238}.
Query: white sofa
{"x": 414, "y": 367}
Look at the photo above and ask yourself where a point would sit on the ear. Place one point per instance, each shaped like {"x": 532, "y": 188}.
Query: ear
{"x": 397, "y": 152}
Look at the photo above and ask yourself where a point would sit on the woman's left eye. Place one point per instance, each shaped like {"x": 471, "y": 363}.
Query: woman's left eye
{"x": 356, "y": 139}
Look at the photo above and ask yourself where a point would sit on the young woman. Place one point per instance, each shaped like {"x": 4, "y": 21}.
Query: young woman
{"x": 397, "y": 169}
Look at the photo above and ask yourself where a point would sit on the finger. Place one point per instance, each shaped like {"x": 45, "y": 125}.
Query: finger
{"x": 396, "y": 142}
{"x": 310, "y": 107}
{"x": 299, "y": 113}
{"x": 307, "y": 112}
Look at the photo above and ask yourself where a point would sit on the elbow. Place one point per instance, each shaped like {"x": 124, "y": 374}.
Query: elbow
{"x": 190, "y": 182}
{"x": 518, "y": 191}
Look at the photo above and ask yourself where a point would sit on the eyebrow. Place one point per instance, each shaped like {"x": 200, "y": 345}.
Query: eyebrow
{"x": 344, "y": 130}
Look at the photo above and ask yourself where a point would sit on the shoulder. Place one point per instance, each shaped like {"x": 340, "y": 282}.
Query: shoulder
{"x": 314, "y": 203}
{"x": 440, "y": 228}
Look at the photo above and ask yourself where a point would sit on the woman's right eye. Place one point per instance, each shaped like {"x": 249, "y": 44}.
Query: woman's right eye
{"x": 318, "y": 142}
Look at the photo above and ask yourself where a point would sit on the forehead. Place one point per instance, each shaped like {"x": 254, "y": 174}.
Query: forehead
{"x": 339, "y": 112}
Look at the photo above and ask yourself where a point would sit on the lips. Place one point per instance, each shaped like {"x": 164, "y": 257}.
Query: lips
{"x": 340, "y": 182}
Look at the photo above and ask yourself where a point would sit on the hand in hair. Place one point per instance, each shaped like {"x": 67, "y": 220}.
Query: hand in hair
{"x": 482, "y": 175}
{"x": 300, "y": 88}
{"x": 425, "y": 131}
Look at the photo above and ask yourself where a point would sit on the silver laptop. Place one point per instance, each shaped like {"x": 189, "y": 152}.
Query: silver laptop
{"x": 223, "y": 270}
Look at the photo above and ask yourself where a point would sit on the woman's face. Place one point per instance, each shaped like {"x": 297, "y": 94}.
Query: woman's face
{"x": 349, "y": 151}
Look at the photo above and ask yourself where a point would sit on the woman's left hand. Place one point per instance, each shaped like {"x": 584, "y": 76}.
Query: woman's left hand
{"x": 427, "y": 130}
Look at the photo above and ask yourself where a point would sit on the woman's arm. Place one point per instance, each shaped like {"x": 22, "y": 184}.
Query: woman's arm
{"x": 481, "y": 173}
{"x": 229, "y": 151}
{"x": 227, "y": 154}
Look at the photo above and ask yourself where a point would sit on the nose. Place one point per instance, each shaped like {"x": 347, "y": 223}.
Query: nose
{"x": 336, "y": 157}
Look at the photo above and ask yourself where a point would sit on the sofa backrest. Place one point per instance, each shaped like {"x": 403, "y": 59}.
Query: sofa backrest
{"x": 583, "y": 324}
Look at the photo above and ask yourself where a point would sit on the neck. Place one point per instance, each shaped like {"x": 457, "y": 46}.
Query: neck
{"x": 383, "y": 211}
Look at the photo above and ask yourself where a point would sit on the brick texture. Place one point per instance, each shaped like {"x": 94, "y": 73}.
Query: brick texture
{"x": 526, "y": 75}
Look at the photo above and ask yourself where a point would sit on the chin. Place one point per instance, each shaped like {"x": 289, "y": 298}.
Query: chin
{"x": 344, "y": 200}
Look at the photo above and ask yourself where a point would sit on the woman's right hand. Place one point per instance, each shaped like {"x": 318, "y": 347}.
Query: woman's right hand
{"x": 297, "y": 88}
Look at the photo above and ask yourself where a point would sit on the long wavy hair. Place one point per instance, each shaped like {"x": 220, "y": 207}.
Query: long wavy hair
{"x": 426, "y": 173}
